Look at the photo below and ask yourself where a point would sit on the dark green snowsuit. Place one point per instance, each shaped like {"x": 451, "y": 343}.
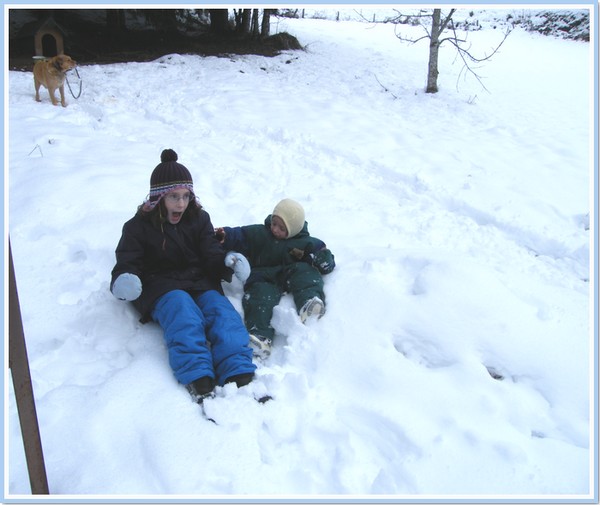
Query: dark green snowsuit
{"x": 294, "y": 265}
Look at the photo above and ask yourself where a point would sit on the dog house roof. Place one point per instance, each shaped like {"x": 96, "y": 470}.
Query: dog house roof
{"x": 47, "y": 25}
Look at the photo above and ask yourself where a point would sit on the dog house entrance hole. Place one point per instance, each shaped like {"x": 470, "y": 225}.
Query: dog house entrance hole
{"x": 49, "y": 46}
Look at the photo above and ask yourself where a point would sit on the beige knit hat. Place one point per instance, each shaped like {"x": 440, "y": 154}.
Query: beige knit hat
{"x": 292, "y": 214}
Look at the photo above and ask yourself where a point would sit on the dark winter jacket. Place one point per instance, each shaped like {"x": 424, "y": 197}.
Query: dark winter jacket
{"x": 263, "y": 250}
{"x": 185, "y": 256}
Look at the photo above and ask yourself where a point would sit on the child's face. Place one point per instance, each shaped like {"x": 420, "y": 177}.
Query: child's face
{"x": 278, "y": 228}
{"x": 176, "y": 202}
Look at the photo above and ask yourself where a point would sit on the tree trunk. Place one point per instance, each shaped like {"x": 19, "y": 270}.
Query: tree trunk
{"x": 246, "y": 18}
{"x": 237, "y": 19}
{"x": 266, "y": 23}
{"x": 219, "y": 21}
{"x": 434, "y": 48}
{"x": 254, "y": 28}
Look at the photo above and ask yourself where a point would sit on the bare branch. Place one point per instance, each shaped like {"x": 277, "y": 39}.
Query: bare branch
{"x": 410, "y": 40}
{"x": 423, "y": 37}
{"x": 495, "y": 50}
{"x": 384, "y": 88}
{"x": 466, "y": 54}
{"x": 398, "y": 19}
{"x": 444, "y": 24}
{"x": 453, "y": 40}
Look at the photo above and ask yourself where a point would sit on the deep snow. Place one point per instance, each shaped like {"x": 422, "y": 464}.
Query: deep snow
{"x": 461, "y": 224}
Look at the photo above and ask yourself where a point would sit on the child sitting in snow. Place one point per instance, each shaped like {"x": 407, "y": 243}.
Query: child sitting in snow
{"x": 284, "y": 258}
{"x": 170, "y": 265}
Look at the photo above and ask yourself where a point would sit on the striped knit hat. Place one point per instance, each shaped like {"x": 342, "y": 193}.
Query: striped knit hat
{"x": 167, "y": 176}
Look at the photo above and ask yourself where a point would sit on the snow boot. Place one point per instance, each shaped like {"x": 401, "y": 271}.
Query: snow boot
{"x": 201, "y": 388}
{"x": 241, "y": 380}
{"x": 261, "y": 346}
{"x": 312, "y": 308}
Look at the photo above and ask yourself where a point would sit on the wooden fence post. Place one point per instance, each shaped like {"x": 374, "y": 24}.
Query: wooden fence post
{"x": 21, "y": 377}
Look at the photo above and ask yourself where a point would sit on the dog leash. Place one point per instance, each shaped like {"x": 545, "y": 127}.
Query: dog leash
{"x": 69, "y": 84}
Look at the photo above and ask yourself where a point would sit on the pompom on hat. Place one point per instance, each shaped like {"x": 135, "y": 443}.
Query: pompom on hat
{"x": 292, "y": 214}
{"x": 166, "y": 177}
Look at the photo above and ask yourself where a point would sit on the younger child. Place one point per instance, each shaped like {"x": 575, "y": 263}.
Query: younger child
{"x": 284, "y": 258}
{"x": 170, "y": 266}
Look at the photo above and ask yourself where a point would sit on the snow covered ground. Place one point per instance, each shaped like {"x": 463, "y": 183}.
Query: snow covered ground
{"x": 456, "y": 356}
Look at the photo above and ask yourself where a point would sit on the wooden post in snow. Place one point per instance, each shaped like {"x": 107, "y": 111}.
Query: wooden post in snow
{"x": 21, "y": 377}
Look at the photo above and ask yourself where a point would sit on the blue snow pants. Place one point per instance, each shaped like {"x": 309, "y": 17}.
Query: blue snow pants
{"x": 205, "y": 336}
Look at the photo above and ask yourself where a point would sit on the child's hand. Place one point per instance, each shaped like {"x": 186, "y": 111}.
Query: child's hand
{"x": 239, "y": 264}
{"x": 220, "y": 234}
{"x": 298, "y": 254}
{"x": 303, "y": 254}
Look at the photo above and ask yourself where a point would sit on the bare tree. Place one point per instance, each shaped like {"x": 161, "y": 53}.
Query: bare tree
{"x": 248, "y": 22}
{"x": 246, "y": 19}
{"x": 440, "y": 24}
{"x": 219, "y": 21}
{"x": 254, "y": 23}
{"x": 266, "y": 22}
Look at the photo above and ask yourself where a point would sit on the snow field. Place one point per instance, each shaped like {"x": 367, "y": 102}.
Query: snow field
{"x": 459, "y": 224}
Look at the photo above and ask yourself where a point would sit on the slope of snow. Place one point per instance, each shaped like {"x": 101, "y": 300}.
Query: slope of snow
{"x": 460, "y": 224}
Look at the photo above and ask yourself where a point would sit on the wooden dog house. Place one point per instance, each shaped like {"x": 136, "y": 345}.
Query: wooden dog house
{"x": 48, "y": 39}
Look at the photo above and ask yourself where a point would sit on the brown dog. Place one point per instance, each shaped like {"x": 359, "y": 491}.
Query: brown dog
{"x": 51, "y": 74}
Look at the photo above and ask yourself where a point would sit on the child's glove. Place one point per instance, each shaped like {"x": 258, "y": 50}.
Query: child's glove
{"x": 324, "y": 261}
{"x": 239, "y": 264}
{"x": 127, "y": 287}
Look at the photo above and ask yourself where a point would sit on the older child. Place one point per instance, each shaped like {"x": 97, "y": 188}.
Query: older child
{"x": 284, "y": 258}
{"x": 170, "y": 266}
